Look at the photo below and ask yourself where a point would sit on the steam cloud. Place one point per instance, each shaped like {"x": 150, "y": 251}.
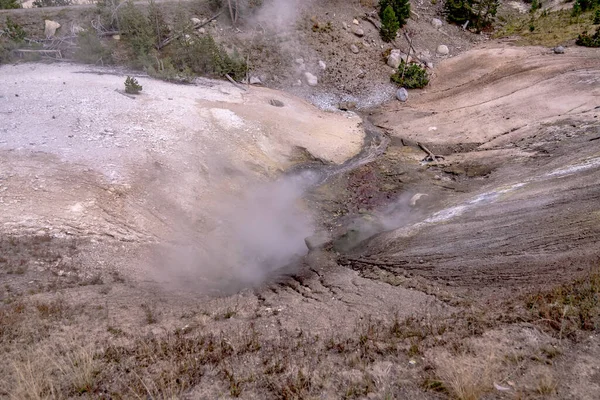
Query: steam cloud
{"x": 259, "y": 234}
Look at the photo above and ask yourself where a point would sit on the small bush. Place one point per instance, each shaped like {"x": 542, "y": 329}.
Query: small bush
{"x": 415, "y": 77}
{"x": 479, "y": 13}
{"x": 589, "y": 40}
{"x": 14, "y": 31}
{"x": 389, "y": 25}
{"x": 9, "y": 4}
{"x": 132, "y": 86}
{"x": 52, "y": 3}
{"x": 597, "y": 17}
{"x": 91, "y": 50}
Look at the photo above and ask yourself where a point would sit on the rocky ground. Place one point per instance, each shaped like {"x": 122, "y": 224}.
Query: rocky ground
{"x": 154, "y": 246}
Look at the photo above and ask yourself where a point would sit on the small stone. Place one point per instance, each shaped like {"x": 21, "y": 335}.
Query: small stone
{"x": 354, "y": 49}
{"x": 50, "y": 28}
{"x": 559, "y": 50}
{"x": 255, "y": 80}
{"x": 442, "y": 50}
{"x": 202, "y": 31}
{"x": 347, "y": 105}
{"x": 311, "y": 80}
{"x": 196, "y": 21}
{"x": 116, "y": 37}
{"x": 358, "y": 31}
{"x": 402, "y": 95}
{"x": 299, "y": 61}
{"x": 355, "y": 21}
{"x": 345, "y": 25}
{"x": 437, "y": 23}
{"x": 77, "y": 29}
{"x": 394, "y": 59}
{"x": 276, "y": 103}
{"x": 322, "y": 65}
{"x": 429, "y": 65}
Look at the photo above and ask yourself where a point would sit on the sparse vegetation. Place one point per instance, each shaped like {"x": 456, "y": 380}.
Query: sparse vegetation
{"x": 478, "y": 14}
{"x": 410, "y": 76}
{"x": 571, "y": 308}
{"x": 9, "y": 4}
{"x": 589, "y": 40}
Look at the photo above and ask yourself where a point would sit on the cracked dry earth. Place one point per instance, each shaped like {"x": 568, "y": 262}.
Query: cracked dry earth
{"x": 157, "y": 236}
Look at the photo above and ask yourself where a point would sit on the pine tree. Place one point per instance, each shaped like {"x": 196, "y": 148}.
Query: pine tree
{"x": 389, "y": 24}
{"x": 401, "y": 9}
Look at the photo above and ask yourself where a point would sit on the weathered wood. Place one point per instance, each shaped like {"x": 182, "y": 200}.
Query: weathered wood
{"x": 237, "y": 85}
{"x": 197, "y": 26}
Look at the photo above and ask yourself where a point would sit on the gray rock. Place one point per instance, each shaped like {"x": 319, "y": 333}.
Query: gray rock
{"x": 276, "y": 103}
{"x": 437, "y": 23}
{"x": 299, "y": 61}
{"x": 322, "y": 65}
{"x": 311, "y": 80}
{"x": 318, "y": 240}
{"x": 50, "y": 28}
{"x": 354, "y": 49}
{"x": 196, "y": 21}
{"x": 202, "y": 31}
{"x": 347, "y": 105}
{"x": 394, "y": 59}
{"x": 442, "y": 50}
{"x": 559, "y": 50}
{"x": 255, "y": 80}
{"x": 402, "y": 95}
{"x": 358, "y": 31}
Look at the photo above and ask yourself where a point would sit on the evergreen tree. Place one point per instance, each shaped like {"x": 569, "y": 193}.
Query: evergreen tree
{"x": 389, "y": 24}
{"x": 401, "y": 10}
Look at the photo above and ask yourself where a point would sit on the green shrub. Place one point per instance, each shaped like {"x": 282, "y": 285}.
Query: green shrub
{"x": 52, "y": 3}
{"x": 9, "y": 4}
{"x": 589, "y": 40}
{"x": 137, "y": 30}
{"x": 132, "y": 86}
{"x": 14, "y": 31}
{"x": 401, "y": 10}
{"x": 203, "y": 56}
{"x": 586, "y": 5}
{"x": 389, "y": 25}
{"x": 597, "y": 17}
{"x": 415, "y": 77}
{"x": 91, "y": 50}
{"x": 479, "y": 13}
{"x": 577, "y": 10}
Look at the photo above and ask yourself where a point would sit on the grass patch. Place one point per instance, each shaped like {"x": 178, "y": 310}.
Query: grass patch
{"x": 549, "y": 29}
{"x": 568, "y": 309}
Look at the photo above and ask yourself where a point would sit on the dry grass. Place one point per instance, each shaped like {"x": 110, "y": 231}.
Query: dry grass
{"x": 546, "y": 384}
{"x": 553, "y": 29}
{"x": 466, "y": 377}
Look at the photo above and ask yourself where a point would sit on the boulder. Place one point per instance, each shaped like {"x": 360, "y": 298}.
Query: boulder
{"x": 559, "y": 50}
{"x": 354, "y": 49}
{"x": 318, "y": 240}
{"x": 358, "y": 31}
{"x": 50, "y": 28}
{"x": 437, "y": 23}
{"x": 394, "y": 59}
{"x": 311, "y": 80}
{"x": 402, "y": 95}
{"x": 442, "y": 50}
